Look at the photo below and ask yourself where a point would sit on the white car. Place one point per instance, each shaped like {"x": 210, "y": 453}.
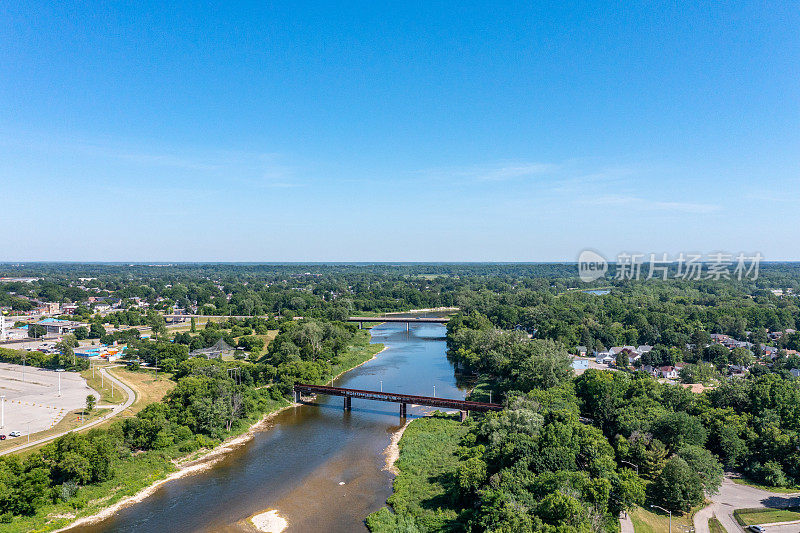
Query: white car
{"x": 15, "y": 434}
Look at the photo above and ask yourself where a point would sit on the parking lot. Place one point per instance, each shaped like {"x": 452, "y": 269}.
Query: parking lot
{"x": 32, "y": 402}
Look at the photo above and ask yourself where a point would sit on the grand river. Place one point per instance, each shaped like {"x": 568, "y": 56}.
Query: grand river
{"x": 320, "y": 467}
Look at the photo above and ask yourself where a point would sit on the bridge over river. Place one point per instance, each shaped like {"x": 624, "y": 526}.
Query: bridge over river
{"x": 407, "y": 320}
{"x": 403, "y": 399}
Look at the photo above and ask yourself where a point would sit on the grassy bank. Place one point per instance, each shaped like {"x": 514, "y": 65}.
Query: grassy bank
{"x": 103, "y": 387}
{"x": 645, "y": 521}
{"x": 714, "y": 526}
{"x": 356, "y": 355}
{"x": 427, "y": 464}
{"x": 748, "y": 517}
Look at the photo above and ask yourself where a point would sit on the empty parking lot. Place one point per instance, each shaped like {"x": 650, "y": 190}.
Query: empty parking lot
{"x": 32, "y": 402}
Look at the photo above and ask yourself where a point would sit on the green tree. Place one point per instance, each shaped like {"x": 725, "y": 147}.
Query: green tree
{"x": 36, "y": 331}
{"x": 90, "y": 403}
{"x": 705, "y": 464}
{"x": 677, "y": 487}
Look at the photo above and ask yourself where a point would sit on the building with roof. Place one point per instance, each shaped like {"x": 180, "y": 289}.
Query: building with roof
{"x": 59, "y": 327}
{"x": 220, "y": 349}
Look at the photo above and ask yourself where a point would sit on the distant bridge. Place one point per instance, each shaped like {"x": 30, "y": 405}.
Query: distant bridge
{"x": 403, "y": 399}
{"x": 407, "y": 320}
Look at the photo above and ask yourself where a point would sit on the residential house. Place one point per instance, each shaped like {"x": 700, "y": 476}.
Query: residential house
{"x": 795, "y": 372}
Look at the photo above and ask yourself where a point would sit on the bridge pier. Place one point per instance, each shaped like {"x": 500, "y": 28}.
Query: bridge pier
{"x": 402, "y": 410}
{"x": 360, "y": 325}
{"x": 347, "y": 403}
{"x": 407, "y": 326}
{"x": 464, "y": 415}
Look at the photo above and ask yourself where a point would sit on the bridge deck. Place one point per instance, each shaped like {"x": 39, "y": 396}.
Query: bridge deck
{"x": 433, "y": 319}
{"x": 431, "y": 401}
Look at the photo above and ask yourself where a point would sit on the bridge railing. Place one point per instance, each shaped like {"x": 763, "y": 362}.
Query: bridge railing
{"x": 431, "y": 401}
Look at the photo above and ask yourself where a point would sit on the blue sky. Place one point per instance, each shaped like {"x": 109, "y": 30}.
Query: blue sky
{"x": 417, "y": 131}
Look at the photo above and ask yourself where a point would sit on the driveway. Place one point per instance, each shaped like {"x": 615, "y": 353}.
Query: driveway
{"x": 733, "y": 496}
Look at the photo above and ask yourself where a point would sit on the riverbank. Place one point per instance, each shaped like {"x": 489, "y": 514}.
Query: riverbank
{"x": 427, "y": 459}
{"x": 392, "y": 452}
{"x": 380, "y": 349}
{"x": 146, "y": 472}
{"x": 185, "y": 466}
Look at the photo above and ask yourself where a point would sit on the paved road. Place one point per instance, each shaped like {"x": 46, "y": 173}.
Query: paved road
{"x": 131, "y": 397}
{"x": 733, "y": 496}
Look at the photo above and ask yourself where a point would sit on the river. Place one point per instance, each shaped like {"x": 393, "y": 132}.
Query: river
{"x": 319, "y": 466}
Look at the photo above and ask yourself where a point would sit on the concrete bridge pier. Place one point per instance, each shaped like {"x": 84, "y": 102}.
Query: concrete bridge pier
{"x": 402, "y": 410}
{"x": 464, "y": 415}
{"x": 360, "y": 325}
{"x": 407, "y": 326}
{"x": 347, "y": 403}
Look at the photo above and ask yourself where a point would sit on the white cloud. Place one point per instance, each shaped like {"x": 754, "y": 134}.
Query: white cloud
{"x": 644, "y": 204}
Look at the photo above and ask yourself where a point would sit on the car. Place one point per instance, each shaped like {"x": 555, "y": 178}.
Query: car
{"x": 15, "y": 434}
{"x": 2, "y": 437}
{"x": 756, "y": 529}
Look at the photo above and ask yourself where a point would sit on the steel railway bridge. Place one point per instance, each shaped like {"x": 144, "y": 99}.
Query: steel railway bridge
{"x": 403, "y": 399}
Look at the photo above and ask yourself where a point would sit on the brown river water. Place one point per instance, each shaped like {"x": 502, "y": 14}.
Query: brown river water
{"x": 298, "y": 463}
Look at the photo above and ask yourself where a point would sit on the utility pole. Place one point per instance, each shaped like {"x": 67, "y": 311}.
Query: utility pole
{"x": 3, "y": 411}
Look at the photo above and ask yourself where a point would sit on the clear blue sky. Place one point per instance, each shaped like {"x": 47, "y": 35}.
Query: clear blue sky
{"x": 418, "y": 131}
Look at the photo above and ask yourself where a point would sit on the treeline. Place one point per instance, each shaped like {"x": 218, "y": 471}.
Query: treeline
{"x": 634, "y": 313}
{"x": 38, "y": 359}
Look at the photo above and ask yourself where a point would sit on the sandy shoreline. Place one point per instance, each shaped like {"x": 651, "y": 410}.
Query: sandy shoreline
{"x": 204, "y": 462}
{"x": 392, "y": 451}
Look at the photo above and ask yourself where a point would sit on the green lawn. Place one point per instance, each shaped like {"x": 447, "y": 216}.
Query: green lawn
{"x": 748, "y": 517}
{"x": 646, "y": 521}
{"x": 714, "y": 526}
{"x": 427, "y": 464}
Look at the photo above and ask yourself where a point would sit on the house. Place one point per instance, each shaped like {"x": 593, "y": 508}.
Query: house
{"x": 580, "y": 364}
{"x": 668, "y": 372}
{"x": 604, "y": 358}
{"x": 102, "y": 307}
{"x": 581, "y": 350}
{"x": 644, "y": 348}
{"x": 69, "y": 309}
{"x": 795, "y": 372}
{"x": 771, "y": 351}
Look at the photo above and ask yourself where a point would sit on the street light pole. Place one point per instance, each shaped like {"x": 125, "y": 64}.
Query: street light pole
{"x": 381, "y": 385}
{"x": 633, "y": 465}
{"x": 59, "y": 371}
{"x": 666, "y": 511}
